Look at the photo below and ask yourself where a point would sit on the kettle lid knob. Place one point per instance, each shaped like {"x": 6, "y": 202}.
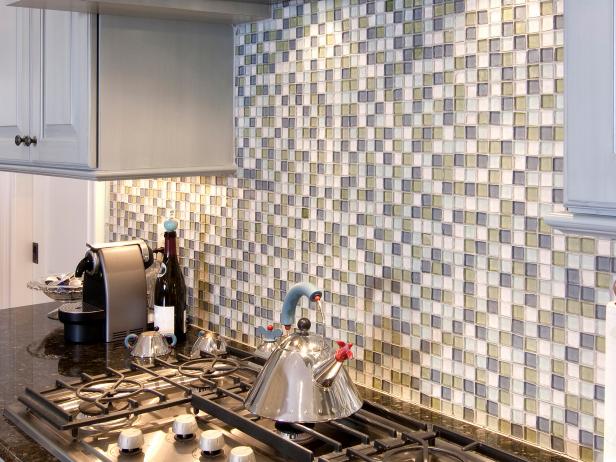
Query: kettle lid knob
{"x": 304, "y": 324}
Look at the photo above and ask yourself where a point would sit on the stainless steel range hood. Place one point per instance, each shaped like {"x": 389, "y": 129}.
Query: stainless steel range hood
{"x": 221, "y": 11}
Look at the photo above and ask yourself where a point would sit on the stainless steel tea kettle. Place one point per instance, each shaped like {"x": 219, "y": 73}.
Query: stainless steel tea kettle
{"x": 304, "y": 379}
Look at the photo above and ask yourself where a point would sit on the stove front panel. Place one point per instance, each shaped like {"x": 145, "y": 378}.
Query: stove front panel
{"x": 160, "y": 443}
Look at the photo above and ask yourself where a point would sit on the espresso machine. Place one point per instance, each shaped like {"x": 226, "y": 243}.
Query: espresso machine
{"x": 114, "y": 293}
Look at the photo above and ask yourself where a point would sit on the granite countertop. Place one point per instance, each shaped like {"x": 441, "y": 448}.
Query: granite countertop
{"x": 33, "y": 353}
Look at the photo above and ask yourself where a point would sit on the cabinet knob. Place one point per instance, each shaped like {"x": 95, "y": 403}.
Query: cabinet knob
{"x": 19, "y": 140}
{"x": 28, "y": 141}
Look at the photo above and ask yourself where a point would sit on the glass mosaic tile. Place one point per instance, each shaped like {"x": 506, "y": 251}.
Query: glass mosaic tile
{"x": 400, "y": 154}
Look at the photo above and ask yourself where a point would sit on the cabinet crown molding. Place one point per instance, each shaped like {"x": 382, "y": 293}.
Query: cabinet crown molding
{"x": 220, "y": 11}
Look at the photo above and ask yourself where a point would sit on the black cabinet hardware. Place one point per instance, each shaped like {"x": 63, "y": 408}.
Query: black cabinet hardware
{"x": 27, "y": 140}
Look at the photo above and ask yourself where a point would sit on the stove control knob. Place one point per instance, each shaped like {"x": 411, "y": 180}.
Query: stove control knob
{"x": 212, "y": 442}
{"x": 130, "y": 440}
{"x": 185, "y": 426}
{"x": 242, "y": 454}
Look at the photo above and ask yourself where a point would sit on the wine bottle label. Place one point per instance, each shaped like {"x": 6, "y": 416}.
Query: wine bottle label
{"x": 185, "y": 323}
{"x": 163, "y": 319}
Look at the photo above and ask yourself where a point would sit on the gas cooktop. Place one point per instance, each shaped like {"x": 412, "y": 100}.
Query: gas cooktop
{"x": 183, "y": 409}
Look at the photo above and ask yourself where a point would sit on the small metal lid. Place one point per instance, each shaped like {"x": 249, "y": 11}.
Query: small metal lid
{"x": 304, "y": 341}
{"x": 150, "y": 333}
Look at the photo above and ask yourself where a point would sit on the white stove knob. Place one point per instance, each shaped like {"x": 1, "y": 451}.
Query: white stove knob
{"x": 130, "y": 440}
{"x": 184, "y": 426}
{"x": 242, "y": 454}
{"x": 212, "y": 442}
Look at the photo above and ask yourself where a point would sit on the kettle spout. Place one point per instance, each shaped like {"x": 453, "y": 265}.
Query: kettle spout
{"x": 325, "y": 372}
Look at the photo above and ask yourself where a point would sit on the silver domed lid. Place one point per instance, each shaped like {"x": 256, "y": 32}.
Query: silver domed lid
{"x": 305, "y": 342}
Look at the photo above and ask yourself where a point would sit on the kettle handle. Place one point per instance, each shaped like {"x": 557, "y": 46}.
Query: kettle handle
{"x": 287, "y": 317}
{"x": 173, "y": 338}
{"x": 129, "y": 341}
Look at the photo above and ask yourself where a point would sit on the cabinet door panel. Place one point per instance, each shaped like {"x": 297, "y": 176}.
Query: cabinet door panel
{"x": 14, "y": 82}
{"x": 62, "y": 81}
{"x": 590, "y": 150}
{"x": 57, "y": 67}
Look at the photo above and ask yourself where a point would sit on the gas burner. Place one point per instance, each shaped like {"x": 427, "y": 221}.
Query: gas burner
{"x": 288, "y": 432}
{"x": 108, "y": 425}
{"x": 421, "y": 453}
{"x": 108, "y": 394}
{"x": 206, "y": 369}
{"x": 90, "y": 409}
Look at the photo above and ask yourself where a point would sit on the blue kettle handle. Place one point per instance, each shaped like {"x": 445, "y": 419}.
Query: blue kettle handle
{"x": 128, "y": 341}
{"x": 174, "y": 339}
{"x": 287, "y": 317}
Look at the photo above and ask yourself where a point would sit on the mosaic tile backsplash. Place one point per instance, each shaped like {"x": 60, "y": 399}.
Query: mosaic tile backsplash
{"x": 399, "y": 154}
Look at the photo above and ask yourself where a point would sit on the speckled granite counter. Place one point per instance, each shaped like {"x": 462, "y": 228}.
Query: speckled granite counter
{"x": 33, "y": 353}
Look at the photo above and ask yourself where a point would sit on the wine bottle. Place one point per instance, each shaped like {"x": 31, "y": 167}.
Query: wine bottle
{"x": 170, "y": 288}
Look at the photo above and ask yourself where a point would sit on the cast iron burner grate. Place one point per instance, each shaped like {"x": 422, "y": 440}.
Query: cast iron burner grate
{"x": 211, "y": 371}
{"x": 104, "y": 398}
{"x": 373, "y": 434}
{"x": 423, "y": 453}
{"x": 101, "y": 396}
{"x": 208, "y": 368}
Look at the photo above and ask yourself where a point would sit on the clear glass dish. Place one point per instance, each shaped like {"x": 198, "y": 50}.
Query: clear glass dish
{"x": 62, "y": 293}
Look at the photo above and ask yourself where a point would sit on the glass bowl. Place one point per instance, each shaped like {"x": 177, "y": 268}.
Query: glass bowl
{"x": 61, "y": 293}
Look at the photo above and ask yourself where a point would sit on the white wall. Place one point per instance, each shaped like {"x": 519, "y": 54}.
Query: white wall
{"x": 60, "y": 214}
{"x": 15, "y": 239}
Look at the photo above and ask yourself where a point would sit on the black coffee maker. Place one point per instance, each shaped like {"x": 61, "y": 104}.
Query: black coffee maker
{"x": 114, "y": 293}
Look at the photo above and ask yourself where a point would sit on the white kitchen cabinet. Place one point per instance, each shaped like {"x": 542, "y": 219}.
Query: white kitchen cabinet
{"x": 590, "y": 134}
{"x": 105, "y": 97}
{"x": 14, "y": 82}
{"x": 62, "y": 79}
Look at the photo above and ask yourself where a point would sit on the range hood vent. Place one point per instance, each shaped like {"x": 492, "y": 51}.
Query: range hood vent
{"x": 218, "y": 11}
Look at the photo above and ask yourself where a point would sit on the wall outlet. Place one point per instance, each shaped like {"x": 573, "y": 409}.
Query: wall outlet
{"x": 35, "y": 253}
